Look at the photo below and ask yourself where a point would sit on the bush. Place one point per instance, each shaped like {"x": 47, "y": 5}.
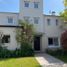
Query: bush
{"x": 26, "y": 50}
{"x": 54, "y": 52}
{"x": 4, "y": 53}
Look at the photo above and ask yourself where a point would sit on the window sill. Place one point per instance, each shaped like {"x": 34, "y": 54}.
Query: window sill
{"x": 53, "y": 46}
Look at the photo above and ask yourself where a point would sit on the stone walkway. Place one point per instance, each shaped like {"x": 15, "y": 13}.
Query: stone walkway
{"x": 46, "y": 60}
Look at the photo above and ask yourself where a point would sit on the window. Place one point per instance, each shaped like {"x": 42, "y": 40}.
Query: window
{"x": 26, "y": 18}
{"x": 36, "y": 20}
{"x": 50, "y": 41}
{"x": 36, "y": 4}
{"x": 56, "y": 41}
{"x": 48, "y": 21}
{"x": 56, "y": 22}
{"x": 53, "y": 41}
{"x": 26, "y": 3}
{"x": 10, "y": 20}
{"x": 6, "y": 39}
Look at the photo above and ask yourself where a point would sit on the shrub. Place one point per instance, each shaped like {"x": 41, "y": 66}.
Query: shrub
{"x": 54, "y": 52}
{"x": 26, "y": 50}
{"x": 64, "y": 40}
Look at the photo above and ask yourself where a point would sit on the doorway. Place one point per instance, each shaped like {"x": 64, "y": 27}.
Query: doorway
{"x": 37, "y": 43}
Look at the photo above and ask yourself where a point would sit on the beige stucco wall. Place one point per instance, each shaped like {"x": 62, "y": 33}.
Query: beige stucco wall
{"x": 51, "y": 30}
{"x": 4, "y": 18}
{"x": 10, "y": 31}
{"x": 32, "y": 12}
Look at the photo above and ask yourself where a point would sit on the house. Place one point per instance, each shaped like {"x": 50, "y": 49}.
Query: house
{"x": 48, "y": 27}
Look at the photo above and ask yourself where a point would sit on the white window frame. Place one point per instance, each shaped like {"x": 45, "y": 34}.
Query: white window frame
{"x": 36, "y": 20}
{"x": 26, "y": 4}
{"x": 10, "y": 18}
{"x": 53, "y": 45}
{"x": 36, "y": 4}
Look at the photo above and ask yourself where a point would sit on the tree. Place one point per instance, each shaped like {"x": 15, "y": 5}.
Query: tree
{"x": 64, "y": 34}
{"x": 65, "y": 3}
{"x": 64, "y": 40}
{"x": 25, "y": 34}
{"x": 1, "y": 38}
{"x": 64, "y": 13}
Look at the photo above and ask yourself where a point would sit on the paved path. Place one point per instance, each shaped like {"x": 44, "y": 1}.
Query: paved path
{"x": 46, "y": 60}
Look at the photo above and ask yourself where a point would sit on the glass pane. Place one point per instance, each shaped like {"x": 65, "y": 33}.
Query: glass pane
{"x": 50, "y": 41}
{"x": 35, "y": 5}
{"x": 10, "y": 20}
{"x": 56, "y": 41}
{"x": 26, "y": 4}
{"x": 48, "y": 21}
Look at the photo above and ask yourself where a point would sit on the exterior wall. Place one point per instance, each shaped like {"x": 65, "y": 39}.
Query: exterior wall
{"x": 51, "y": 30}
{"x": 41, "y": 28}
{"x": 4, "y": 18}
{"x": 10, "y": 31}
{"x": 32, "y": 12}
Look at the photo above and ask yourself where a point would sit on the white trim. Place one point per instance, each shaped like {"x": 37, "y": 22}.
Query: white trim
{"x": 54, "y": 46}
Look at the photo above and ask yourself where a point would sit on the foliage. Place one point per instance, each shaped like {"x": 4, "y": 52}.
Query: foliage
{"x": 64, "y": 13}
{"x": 64, "y": 26}
{"x": 54, "y": 52}
{"x": 24, "y": 37}
{"x": 25, "y": 34}
{"x": 64, "y": 40}
{"x": 26, "y": 50}
{"x": 65, "y": 3}
{"x": 60, "y": 54}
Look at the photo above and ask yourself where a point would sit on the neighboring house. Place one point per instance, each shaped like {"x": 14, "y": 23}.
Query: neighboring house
{"x": 48, "y": 27}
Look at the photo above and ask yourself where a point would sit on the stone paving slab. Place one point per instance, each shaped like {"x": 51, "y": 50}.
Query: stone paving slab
{"x": 46, "y": 60}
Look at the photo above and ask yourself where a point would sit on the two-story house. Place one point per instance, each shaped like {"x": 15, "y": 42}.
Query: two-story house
{"x": 47, "y": 27}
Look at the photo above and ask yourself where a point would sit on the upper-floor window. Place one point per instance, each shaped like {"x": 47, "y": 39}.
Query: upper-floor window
{"x": 48, "y": 21}
{"x": 26, "y": 3}
{"x": 36, "y": 20}
{"x": 56, "y": 22}
{"x": 10, "y": 20}
{"x": 36, "y": 4}
{"x": 26, "y": 18}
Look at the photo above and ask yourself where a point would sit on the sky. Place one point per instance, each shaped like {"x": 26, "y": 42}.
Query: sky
{"x": 48, "y": 5}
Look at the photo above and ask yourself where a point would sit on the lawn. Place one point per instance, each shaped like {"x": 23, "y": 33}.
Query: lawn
{"x": 19, "y": 62}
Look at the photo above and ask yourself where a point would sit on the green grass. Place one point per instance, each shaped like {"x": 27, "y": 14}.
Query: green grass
{"x": 19, "y": 62}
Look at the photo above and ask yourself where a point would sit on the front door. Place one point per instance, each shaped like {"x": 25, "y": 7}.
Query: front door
{"x": 37, "y": 43}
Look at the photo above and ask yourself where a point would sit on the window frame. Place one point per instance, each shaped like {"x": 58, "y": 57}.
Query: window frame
{"x": 49, "y": 21}
{"x": 54, "y": 42}
{"x": 10, "y": 20}
{"x": 36, "y": 5}
{"x": 36, "y": 20}
{"x": 57, "y": 22}
{"x": 6, "y": 39}
{"x": 26, "y": 4}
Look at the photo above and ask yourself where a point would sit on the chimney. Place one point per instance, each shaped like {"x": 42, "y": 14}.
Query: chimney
{"x": 53, "y": 12}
